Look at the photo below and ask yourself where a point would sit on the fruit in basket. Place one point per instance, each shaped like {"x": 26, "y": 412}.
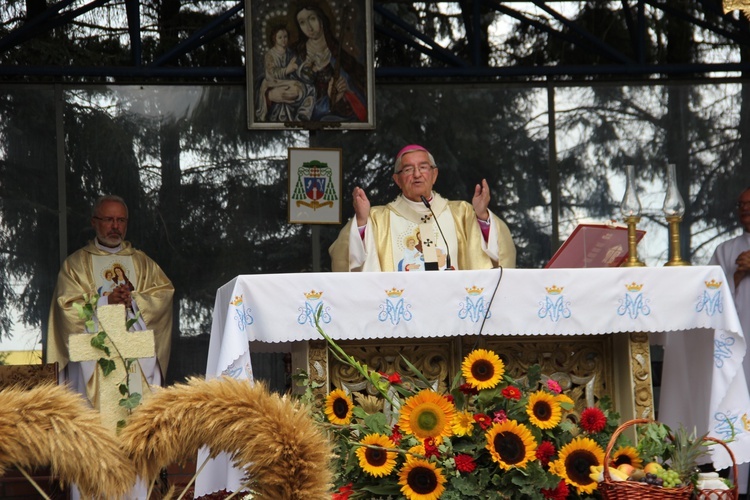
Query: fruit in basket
{"x": 627, "y": 469}
{"x": 652, "y": 468}
{"x": 685, "y": 453}
{"x": 637, "y": 475}
{"x": 597, "y": 473}
{"x": 670, "y": 478}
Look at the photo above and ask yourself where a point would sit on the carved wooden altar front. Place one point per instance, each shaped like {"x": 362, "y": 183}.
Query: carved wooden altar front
{"x": 587, "y": 367}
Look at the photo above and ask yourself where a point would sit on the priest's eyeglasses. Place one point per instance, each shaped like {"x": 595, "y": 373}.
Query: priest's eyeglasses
{"x": 109, "y": 220}
{"x": 743, "y": 204}
{"x": 423, "y": 168}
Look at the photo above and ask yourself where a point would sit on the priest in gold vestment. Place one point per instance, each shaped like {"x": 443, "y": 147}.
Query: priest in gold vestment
{"x": 110, "y": 267}
{"x": 402, "y": 236}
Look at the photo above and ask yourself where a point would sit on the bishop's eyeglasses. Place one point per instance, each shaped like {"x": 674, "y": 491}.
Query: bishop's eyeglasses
{"x": 423, "y": 168}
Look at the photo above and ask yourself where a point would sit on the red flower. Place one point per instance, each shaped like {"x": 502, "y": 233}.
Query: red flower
{"x": 343, "y": 493}
{"x": 593, "y": 420}
{"x": 450, "y": 398}
{"x": 559, "y": 493}
{"x": 396, "y": 435}
{"x": 468, "y": 389}
{"x": 544, "y": 452}
{"x": 393, "y": 378}
{"x": 483, "y": 420}
{"x": 511, "y": 392}
{"x": 430, "y": 450}
{"x": 464, "y": 463}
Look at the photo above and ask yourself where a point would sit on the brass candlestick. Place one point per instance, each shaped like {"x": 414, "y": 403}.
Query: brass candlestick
{"x": 632, "y": 260}
{"x": 675, "y": 259}
{"x": 631, "y": 213}
{"x": 674, "y": 209}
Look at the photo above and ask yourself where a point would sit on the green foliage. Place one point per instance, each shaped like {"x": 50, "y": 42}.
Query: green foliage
{"x": 653, "y": 441}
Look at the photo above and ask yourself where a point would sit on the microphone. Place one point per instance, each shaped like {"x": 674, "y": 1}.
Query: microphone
{"x": 447, "y": 248}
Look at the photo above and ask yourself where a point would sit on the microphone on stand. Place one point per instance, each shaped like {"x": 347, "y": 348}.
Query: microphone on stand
{"x": 447, "y": 248}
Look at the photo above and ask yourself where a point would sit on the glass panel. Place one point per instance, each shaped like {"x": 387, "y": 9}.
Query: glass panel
{"x": 29, "y": 238}
{"x": 207, "y": 196}
{"x": 602, "y": 128}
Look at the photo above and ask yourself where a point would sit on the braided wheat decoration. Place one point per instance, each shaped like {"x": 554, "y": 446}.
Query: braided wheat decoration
{"x": 273, "y": 439}
{"x": 51, "y": 425}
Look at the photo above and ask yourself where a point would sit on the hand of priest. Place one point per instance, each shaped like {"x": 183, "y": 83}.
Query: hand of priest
{"x": 361, "y": 206}
{"x": 481, "y": 200}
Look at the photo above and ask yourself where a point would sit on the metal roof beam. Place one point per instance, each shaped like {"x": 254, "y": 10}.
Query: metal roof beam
{"x": 202, "y": 36}
{"x": 33, "y": 27}
{"x": 445, "y": 54}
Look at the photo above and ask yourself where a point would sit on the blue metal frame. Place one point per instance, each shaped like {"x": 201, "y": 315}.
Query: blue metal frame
{"x": 391, "y": 26}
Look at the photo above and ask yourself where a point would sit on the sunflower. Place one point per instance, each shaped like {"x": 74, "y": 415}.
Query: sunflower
{"x": 575, "y": 461}
{"x": 373, "y": 457}
{"x": 626, "y": 455}
{"x": 417, "y": 451}
{"x": 511, "y": 444}
{"x": 427, "y": 414}
{"x": 421, "y": 480}
{"x": 463, "y": 423}
{"x": 483, "y": 369}
{"x": 543, "y": 410}
{"x": 339, "y": 407}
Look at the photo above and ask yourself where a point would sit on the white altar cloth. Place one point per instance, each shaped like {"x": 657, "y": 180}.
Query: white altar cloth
{"x": 280, "y": 308}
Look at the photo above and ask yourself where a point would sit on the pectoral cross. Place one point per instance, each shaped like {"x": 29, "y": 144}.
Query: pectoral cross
{"x": 130, "y": 345}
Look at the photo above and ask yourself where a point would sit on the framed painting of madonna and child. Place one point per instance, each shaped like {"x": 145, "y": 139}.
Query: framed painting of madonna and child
{"x": 309, "y": 64}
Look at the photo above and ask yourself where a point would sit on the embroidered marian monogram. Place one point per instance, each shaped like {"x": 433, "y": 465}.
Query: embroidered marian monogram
{"x": 554, "y": 306}
{"x": 474, "y": 308}
{"x": 241, "y": 314}
{"x": 633, "y": 304}
{"x": 723, "y": 350}
{"x": 395, "y": 308}
{"x": 711, "y": 301}
{"x": 313, "y": 307}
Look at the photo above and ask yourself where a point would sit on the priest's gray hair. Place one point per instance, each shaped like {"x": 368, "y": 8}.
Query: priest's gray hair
{"x": 397, "y": 166}
{"x": 105, "y": 198}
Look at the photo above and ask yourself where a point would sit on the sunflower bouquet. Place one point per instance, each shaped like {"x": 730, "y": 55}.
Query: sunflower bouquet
{"x": 489, "y": 436}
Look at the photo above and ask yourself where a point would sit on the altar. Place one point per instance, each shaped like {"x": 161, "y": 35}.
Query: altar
{"x": 604, "y": 316}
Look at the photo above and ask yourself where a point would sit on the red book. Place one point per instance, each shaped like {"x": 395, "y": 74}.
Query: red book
{"x": 594, "y": 245}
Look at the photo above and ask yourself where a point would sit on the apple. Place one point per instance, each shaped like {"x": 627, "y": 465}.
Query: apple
{"x": 653, "y": 468}
{"x": 626, "y": 468}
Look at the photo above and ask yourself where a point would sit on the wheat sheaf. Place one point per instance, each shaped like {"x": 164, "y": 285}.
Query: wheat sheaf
{"x": 273, "y": 439}
{"x": 51, "y": 425}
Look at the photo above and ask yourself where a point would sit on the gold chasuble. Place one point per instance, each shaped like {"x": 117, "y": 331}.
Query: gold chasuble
{"x": 82, "y": 272}
{"x": 394, "y": 239}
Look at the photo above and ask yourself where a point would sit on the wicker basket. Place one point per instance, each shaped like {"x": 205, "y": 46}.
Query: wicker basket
{"x": 730, "y": 494}
{"x": 634, "y": 490}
